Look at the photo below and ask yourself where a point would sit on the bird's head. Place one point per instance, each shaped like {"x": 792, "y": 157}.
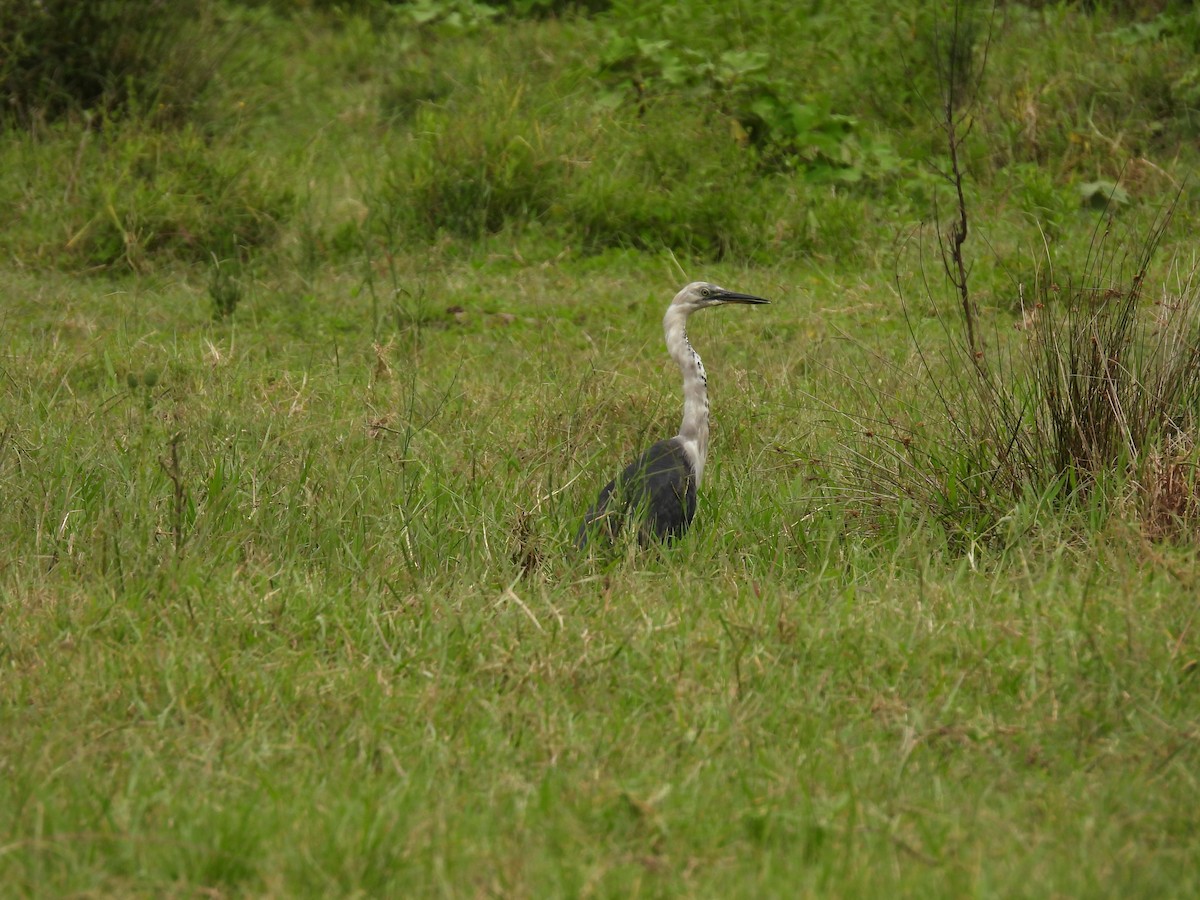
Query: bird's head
{"x": 701, "y": 295}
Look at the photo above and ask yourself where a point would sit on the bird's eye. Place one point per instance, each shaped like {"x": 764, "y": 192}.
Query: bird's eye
{"x": 705, "y": 292}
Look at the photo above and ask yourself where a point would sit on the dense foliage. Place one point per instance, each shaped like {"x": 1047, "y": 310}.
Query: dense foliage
{"x": 721, "y": 133}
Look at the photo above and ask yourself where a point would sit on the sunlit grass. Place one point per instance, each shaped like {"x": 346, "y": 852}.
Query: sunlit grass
{"x": 288, "y": 599}
{"x": 341, "y": 679}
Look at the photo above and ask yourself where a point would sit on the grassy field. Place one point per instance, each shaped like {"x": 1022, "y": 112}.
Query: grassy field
{"x": 312, "y": 363}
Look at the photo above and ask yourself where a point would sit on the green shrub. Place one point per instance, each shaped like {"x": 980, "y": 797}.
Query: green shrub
{"x": 788, "y": 129}
{"x": 173, "y": 196}
{"x": 105, "y": 56}
{"x": 411, "y": 85}
{"x": 675, "y": 179}
{"x": 1094, "y": 396}
{"x": 471, "y": 175}
{"x": 136, "y": 196}
{"x": 678, "y": 178}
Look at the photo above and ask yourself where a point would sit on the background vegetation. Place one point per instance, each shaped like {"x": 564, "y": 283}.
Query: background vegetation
{"x": 323, "y": 323}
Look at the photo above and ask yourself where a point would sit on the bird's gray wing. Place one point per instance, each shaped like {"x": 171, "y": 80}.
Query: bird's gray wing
{"x": 668, "y": 491}
{"x": 658, "y": 489}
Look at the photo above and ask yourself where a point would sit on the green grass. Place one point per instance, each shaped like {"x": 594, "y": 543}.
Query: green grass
{"x": 288, "y": 602}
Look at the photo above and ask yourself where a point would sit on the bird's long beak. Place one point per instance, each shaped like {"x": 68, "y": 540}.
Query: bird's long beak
{"x": 735, "y": 297}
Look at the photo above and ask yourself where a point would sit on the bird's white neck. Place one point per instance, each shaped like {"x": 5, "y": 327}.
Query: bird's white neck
{"x": 693, "y": 432}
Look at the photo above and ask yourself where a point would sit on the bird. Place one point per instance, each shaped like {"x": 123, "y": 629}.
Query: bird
{"x": 658, "y": 489}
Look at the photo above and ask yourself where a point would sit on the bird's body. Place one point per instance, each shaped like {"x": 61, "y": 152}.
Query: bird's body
{"x": 658, "y": 489}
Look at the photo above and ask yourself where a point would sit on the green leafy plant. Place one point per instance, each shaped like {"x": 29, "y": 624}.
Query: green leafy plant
{"x": 225, "y": 286}
{"x": 447, "y": 16}
{"x": 786, "y": 133}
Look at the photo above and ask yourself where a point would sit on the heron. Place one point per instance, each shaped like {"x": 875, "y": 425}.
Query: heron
{"x": 658, "y": 489}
